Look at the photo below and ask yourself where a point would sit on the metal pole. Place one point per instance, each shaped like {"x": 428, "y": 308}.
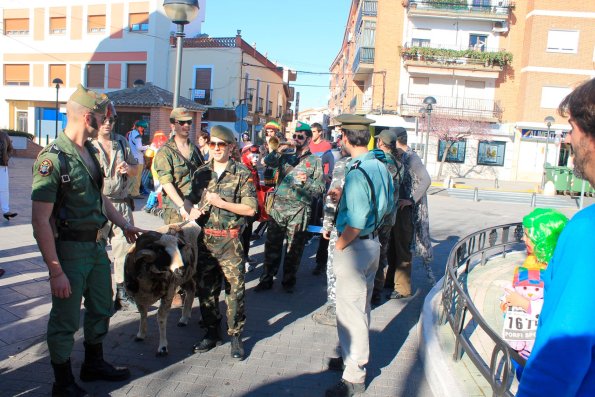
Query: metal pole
{"x": 427, "y": 137}
{"x": 179, "y": 37}
{"x": 580, "y": 206}
{"x": 57, "y": 110}
{"x": 547, "y": 140}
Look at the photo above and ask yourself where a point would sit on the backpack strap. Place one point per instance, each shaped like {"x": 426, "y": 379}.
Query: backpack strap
{"x": 59, "y": 211}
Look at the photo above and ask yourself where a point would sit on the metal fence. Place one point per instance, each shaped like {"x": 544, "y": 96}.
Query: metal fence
{"x": 460, "y": 312}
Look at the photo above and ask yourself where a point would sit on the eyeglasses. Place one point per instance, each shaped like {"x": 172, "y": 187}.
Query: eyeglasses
{"x": 109, "y": 120}
{"x": 182, "y": 122}
{"x": 300, "y": 137}
{"x": 218, "y": 145}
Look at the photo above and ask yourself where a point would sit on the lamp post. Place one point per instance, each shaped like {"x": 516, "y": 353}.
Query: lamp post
{"x": 57, "y": 81}
{"x": 429, "y": 102}
{"x": 181, "y": 12}
{"x": 549, "y": 120}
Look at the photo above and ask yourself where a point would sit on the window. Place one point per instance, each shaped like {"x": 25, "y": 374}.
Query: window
{"x": 16, "y": 26}
{"x": 96, "y": 23}
{"x": 135, "y": 71}
{"x": 368, "y": 35}
{"x": 552, "y": 96}
{"x": 56, "y": 71}
{"x": 95, "y": 76}
{"x": 280, "y": 112}
{"x": 491, "y": 153}
{"x": 58, "y": 25}
{"x": 562, "y": 41}
{"x": 16, "y": 74}
{"x": 259, "y": 104}
{"x": 456, "y": 152}
{"x": 22, "y": 124}
{"x": 202, "y": 85}
{"x": 139, "y": 22}
{"x": 420, "y": 42}
{"x": 269, "y": 108}
{"x": 478, "y": 42}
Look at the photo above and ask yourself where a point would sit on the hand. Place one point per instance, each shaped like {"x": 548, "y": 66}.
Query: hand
{"x": 184, "y": 214}
{"x": 196, "y": 213}
{"x": 122, "y": 168}
{"x": 132, "y": 232}
{"x": 214, "y": 199}
{"x": 515, "y": 299}
{"x": 60, "y": 286}
{"x": 335, "y": 194}
{"x": 404, "y": 203}
{"x": 326, "y": 234}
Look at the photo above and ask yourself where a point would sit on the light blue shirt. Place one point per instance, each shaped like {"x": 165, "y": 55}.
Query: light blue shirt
{"x": 356, "y": 208}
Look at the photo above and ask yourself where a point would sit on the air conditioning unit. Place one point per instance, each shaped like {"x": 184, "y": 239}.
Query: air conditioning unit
{"x": 500, "y": 27}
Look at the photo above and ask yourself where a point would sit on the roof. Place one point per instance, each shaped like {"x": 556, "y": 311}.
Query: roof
{"x": 150, "y": 96}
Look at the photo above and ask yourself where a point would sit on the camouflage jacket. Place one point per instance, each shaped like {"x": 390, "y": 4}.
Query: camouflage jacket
{"x": 397, "y": 171}
{"x": 171, "y": 167}
{"x": 330, "y": 208}
{"x": 235, "y": 185}
{"x": 115, "y": 185}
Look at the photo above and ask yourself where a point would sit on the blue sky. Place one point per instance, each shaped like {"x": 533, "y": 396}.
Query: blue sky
{"x": 303, "y": 35}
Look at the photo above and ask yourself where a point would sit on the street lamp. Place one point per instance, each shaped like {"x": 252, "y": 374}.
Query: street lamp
{"x": 181, "y": 12}
{"x": 549, "y": 120}
{"x": 429, "y": 102}
{"x": 57, "y": 81}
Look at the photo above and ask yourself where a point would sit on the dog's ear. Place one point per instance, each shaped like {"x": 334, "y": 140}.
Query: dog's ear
{"x": 145, "y": 255}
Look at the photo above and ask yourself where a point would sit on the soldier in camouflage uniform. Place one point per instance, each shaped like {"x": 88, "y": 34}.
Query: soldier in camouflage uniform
{"x": 118, "y": 165}
{"x": 328, "y": 314}
{"x": 301, "y": 180}
{"x": 175, "y": 163}
{"x": 225, "y": 195}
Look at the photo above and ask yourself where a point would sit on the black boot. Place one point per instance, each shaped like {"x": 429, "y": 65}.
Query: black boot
{"x": 95, "y": 368}
{"x": 65, "y": 386}
{"x": 237, "y": 347}
{"x": 211, "y": 339}
{"x": 123, "y": 301}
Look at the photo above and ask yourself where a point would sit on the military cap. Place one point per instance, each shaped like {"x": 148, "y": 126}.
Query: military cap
{"x": 180, "y": 114}
{"x": 398, "y": 131}
{"x": 90, "y": 99}
{"x": 300, "y": 126}
{"x": 142, "y": 123}
{"x": 354, "y": 122}
{"x": 223, "y": 133}
{"x": 272, "y": 125}
{"x": 388, "y": 137}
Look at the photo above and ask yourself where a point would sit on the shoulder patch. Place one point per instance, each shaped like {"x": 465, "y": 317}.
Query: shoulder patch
{"x": 46, "y": 167}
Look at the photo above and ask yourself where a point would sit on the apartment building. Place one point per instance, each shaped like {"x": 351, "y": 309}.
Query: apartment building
{"x": 504, "y": 64}
{"x": 240, "y": 86}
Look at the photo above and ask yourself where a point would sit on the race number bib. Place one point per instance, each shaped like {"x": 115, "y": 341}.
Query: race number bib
{"x": 519, "y": 326}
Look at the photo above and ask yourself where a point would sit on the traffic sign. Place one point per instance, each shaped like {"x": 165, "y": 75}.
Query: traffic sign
{"x": 241, "y": 111}
{"x": 241, "y": 126}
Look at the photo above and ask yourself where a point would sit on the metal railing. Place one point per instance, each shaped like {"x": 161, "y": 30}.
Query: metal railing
{"x": 368, "y": 8}
{"x": 489, "y": 7}
{"x": 364, "y": 55}
{"x": 472, "y": 108}
{"x": 459, "y": 311}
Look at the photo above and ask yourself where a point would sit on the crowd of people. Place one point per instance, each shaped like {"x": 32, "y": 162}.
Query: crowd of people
{"x": 370, "y": 207}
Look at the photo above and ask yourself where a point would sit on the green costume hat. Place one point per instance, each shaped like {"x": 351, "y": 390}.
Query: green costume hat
{"x": 543, "y": 227}
{"x": 223, "y": 133}
{"x": 90, "y": 99}
{"x": 354, "y": 122}
{"x": 180, "y": 114}
{"x": 300, "y": 126}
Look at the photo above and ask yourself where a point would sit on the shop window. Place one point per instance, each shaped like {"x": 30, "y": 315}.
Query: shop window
{"x": 456, "y": 152}
{"x": 491, "y": 153}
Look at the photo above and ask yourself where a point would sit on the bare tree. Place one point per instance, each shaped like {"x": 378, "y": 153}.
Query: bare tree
{"x": 451, "y": 130}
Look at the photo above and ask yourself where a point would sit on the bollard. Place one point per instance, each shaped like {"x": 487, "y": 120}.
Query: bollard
{"x": 496, "y": 183}
{"x": 533, "y": 200}
{"x": 476, "y": 194}
{"x": 47, "y": 140}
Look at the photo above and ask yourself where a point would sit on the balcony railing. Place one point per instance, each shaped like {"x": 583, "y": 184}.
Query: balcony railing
{"x": 368, "y": 9}
{"x": 485, "y": 8}
{"x": 202, "y": 96}
{"x": 489, "y": 57}
{"x": 364, "y": 55}
{"x": 457, "y": 107}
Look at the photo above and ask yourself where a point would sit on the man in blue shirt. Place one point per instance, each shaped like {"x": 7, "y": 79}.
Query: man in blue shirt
{"x": 366, "y": 197}
{"x": 562, "y": 362}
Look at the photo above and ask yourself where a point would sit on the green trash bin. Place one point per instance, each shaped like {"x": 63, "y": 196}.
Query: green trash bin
{"x": 550, "y": 173}
{"x": 577, "y": 183}
{"x": 561, "y": 179}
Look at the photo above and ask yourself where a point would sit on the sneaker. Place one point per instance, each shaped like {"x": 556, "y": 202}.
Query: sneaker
{"x": 397, "y": 295}
{"x": 346, "y": 389}
{"x": 9, "y": 215}
{"x": 248, "y": 267}
{"x": 326, "y": 316}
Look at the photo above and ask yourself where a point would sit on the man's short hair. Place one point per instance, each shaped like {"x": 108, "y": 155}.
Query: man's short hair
{"x": 580, "y": 105}
{"x": 317, "y": 126}
{"x": 204, "y": 135}
{"x": 401, "y": 134}
{"x": 357, "y": 137}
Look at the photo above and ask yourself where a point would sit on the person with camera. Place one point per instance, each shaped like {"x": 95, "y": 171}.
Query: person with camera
{"x": 300, "y": 179}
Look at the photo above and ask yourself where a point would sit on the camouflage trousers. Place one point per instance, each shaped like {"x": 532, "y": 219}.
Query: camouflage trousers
{"x": 384, "y": 233}
{"x": 331, "y": 279}
{"x": 273, "y": 250}
{"x": 117, "y": 240}
{"x": 220, "y": 259}
{"x": 171, "y": 215}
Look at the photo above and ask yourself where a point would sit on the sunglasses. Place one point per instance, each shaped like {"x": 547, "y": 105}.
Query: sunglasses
{"x": 300, "y": 137}
{"x": 109, "y": 120}
{"x": 189, "y": 122}
{"x": 218, "y": 145}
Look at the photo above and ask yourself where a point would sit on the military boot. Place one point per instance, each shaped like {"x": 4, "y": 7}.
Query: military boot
{"x": 65, "y": 386}
{"x": 123, "y": 301}
{"x": 95, "y": 368}
{"x": 237, "y": 347}
{"x": 211, "y": 340}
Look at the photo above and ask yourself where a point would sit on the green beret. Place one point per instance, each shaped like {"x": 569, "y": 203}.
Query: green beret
{"x": 354, "y": 122}
{"x": 142, "y": 123}
{"x": 90, "y": 99}
{"x": 302, "y": 127}
{"x": 180, "y": 114}
{"x": 223, "y": 133}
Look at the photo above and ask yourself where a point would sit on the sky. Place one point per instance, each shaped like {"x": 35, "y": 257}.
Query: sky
{"x": 303, "y": 35}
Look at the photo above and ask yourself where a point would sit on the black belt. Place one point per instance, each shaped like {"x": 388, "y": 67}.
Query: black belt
{"x": 369, "y": 236}
{"x": 81, "y": 236}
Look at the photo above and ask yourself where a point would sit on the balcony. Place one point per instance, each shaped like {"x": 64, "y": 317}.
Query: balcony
{"x": 456, "y": 107}
{"x": 367, "y": 9}
{"x": 363, "y": 63}
{"x": 202, "y": 96}
{"x": 491, "y": 10}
